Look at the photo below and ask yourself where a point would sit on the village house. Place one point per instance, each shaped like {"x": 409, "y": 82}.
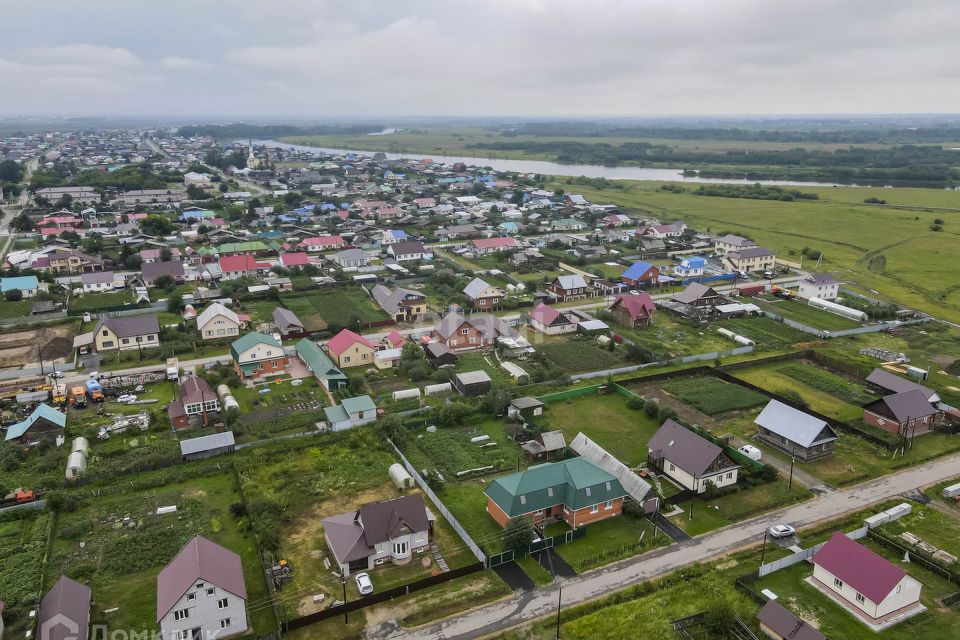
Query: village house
{"x": 291, "y": 259}
{"x": 730, "y": 242}
{"x": 256, "y": 356}
{"x": 351, "y": 412}
{"x": 67, "y": 261}
{"x": 865, "y": 584}
{"x": 45, "y": 423}
{"x": 479, "y": 331}
{"x": 907, "y": 413}
{"x": 65, "y": 611}
{"x": 672, "y": 230}
{"x": 351, "y": 259}
{"x": 410, "y": 250}
{"x": 156, "y": 255}
{"x": 201, "y": 593}
{"x": 174, "y": 269}
{"x": 818, "y": 285}
{"x": 484, "y": 246}
{"x": 691, "y": 460}
{"x": 321, "y": 366}
{"x": 549, "y": 321}
{"x": 482, "y": 295}
{"x": 349, "y": 349}
{"x": 242, "y": 266}
{"x": 288, "y": 324}
{"x": 750, "y": 259}
{"x": 572, "y": 287}
{"x": 698, "y": 295}
{"x": 574, "y": 491}
{"x": 390, "y": 531}
{"x": 794, "y": 432}
{"x": 129, "y": 332}
{"x": 100, "y": 281}
{"x": 217, "y": 321}
{"x": 323, "y": 243}
{"x": 641, "y": 274}
{"x": 691, "y": 267}
{"x": 197, "y": 399}
{"x": 633, "y": 310}
{"x": 403, "y": 305}
{"x": 28, "y": 286}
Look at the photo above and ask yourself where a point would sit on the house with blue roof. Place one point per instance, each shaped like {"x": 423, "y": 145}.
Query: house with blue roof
{"x": 641, "y": 274}
{"x": 691, "y": 267}
{"x": 45, "y": 423}
{"x": 27, "y": 285}
{"x": 508, "y": 227}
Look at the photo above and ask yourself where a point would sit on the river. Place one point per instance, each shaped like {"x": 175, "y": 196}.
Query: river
{"x": 546, "y": 167}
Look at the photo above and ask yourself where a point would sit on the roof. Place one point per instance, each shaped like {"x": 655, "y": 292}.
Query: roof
{"x": 640, "y": 304}
{"x": 526, "y": 402}
{"x": 407, "y": 248}
{"x": 318, "y": 361}
{"x": 487, "y": 324}
{"x": 695, "y": 291}
{"x": 24, "y": 283}
{"x": 97, "y": 277}
{"x": 248, "y": 340}
{"x": 473, "y": 377}
{"x": 685, "y": 449}
{"x": 491, "y": 243}
{"x": 821, "y": 278}
{"x": 576, "y": 483}
{"x": 794, "y": 425}
{"x": 41, "y": 412}
{"x": 751, "y": 252}
{"x": 207, "y": 443}
{"x": 294, "y": 259}
{"x": 476, "y": 287}
{"x": 553, "y": 440}
{"x": 153, "y": 270}
{"x": 637, "y": 269}
{"x": 286, "y": 319}
{"x": 785, "y": 624}
{"x": 352, "y": 535}
{"x": 736, "y": 240}
{"x": 195, "y": 389}
{"x": 903, "y": 406}
{"x": 438, "y": 349}
{"x": 635, "y": 486}
{"x": 545, "y": 314}
{"x": 871, "y": 575}
{"x": 575, "y": 281}
{"x": 200, "y": 559}
{"x": 357, "y": 404}
{"x": 213, "y": 310}
{"x": 390, "y": 299}
{"x": 130, "y": 326}
{"x": 895, "y": 384}
{"x": 344, "y": 340}
{"x": 70, "y": 599}
{"x": 244, "y": 262}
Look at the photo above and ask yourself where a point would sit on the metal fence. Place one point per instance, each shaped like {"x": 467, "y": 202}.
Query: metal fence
{"x": 699, "y": 357}
{"x": 473, "y": 546}
{"x": 800, "y": 556}
{"x": 41, "y": 319}
{"x": 915, "y": 556}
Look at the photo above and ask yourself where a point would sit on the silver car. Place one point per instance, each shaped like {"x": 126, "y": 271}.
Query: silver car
{"x": 781, "y": 531}
{"x": 364, "y": 585}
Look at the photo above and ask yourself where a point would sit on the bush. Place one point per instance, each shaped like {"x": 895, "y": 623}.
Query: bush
{"x": 651, "y": 408}
{"x": 792, "y": 396}
{"x": 13, "y": 295}
{"x": 635, "y": 403}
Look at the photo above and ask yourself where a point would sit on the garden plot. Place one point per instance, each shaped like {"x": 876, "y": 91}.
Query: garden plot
{"x": 22, "y": 547}
{"x": 464, "y": 451}
{"x": 800, "y": 311}
{"x": 712, "y": 395}
{"x": 581, "y": 354}
{"x": 672, "y": 337}
{"x": 341, "y": 308}
{"x": 823, "y": 380}
{"x": 766, "y": 332}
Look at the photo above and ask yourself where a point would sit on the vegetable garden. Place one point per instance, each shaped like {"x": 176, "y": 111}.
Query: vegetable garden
{"x": 712, "y": 396}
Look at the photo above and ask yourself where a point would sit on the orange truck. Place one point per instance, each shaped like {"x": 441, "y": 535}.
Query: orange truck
{"x": 78, "y": 396}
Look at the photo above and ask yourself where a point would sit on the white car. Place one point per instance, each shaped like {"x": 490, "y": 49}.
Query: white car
{"x": 94, "y": 375}
{"x": 364, "y": 585}
{"x": 56, "y": 374}
{"x": 127, "y": 397}
{"x": 781, "y": 531}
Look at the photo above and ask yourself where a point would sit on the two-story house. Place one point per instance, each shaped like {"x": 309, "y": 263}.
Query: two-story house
{"x": 641, "y": 274}
{"x": 201, "y": 593}
{"x": 197, "y": 400}
{"x": 572, "y": 287}
{"x": 730, "y": 242}
{"x": 691, "y": 460}
{"x": 403, "y": 305}
{"x": 818, "y": 285}
{"x": 256, "y": 355}
{"x": 483, "y": 295}
{"x": 217, "y": 321}
{"x": 479, "y": 331}
{"x": 750, "y": 259}
{"x": 349, "y": 349}
{"x": 390, "y": 531}
{"x": 130, "y": 332}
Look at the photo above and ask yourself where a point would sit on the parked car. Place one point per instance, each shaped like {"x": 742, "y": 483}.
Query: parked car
{"x": 781, "y": 531}
{"x": 127, "y": 397}
{"x": 94, "y": 375}
{"x": 364, "y": 585}
{"x": 56, "y": 374}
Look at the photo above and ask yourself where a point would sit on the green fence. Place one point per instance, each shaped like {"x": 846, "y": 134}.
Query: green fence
{"x": 570, "y": 393}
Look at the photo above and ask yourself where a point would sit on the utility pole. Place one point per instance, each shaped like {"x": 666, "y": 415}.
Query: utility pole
{"x": 559, "y": 597}
{"x": 790, "y": 483}
{"x": 343, "y": 581}
{"x": 763, "y": 550}
{"x": 40, "y": 353}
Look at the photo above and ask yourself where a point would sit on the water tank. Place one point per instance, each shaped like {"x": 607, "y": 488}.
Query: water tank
{"x": 230, "y": 403}
{"x": 223, "y": 391}
{"x": 400, "y": 477}
{"x": 80, "y": 445}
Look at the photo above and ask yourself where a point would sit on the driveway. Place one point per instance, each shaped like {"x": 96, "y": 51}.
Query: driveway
{"x": 672, "y": 530}
{"x": 550, "y": 560}
{"x": 514, "y": 576}
{"x": 801, "y": 477}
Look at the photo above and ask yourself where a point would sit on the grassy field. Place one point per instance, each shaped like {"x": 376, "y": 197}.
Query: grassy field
{"x": 580, "y": 354}
{"x": 451, "y": 450}
{"x": 671, "y": 336}
{"x": 828, "y": 382}
{"x": 766, "y": 332}
{"x": 18, "y": 309}
{"x": 770, "y": 377}
{"x": 611, "y": 540}
{"x": 708, "y": 515}
{"x": 98, "y": 301}
{"x": 712, "y": 395}
{"x": 798, "y": 311}
{"x": 915, "y": 269}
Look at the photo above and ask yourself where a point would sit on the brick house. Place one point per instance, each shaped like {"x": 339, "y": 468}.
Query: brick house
{"x": 256, "y": 355}
{"x": 197, "y": 398}
{"x": 403, "y": 305}
{"x": 483, "y": 295}
{"x": 575, "y": 491}
{"x": 479, "y": 331}
{"x": 908, "y": 412}
{"x": 569, "y": 288}
{"x": 640, "y": 274}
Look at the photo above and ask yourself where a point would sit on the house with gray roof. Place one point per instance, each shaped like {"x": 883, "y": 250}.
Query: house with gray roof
{"x": 569, "y": 287}
{"x": 403, "y": 305}
{"x": 65, "y": 611}
{"x": 779, "y": 623}
{"x": 795, "y": 432}
{"x": 288, "y": 324}
{"x": 690, "y": 459}
{"x": 201, "y": 593}
{"x": 390, "y": 531}
{"x": 483, "y": 295}
{"x": 906, "y": 413}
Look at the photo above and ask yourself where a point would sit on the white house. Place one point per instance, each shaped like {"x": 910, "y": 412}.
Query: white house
{"x": 100, "y": 281}
{"x": 819, "y": 285}
{"x": 863, "y": 583}
{"x": 217, "y": 321}
{"x": 201, "y": 593}
{"x": 351, "y": 412}
{"x": 410, "y": 250}
{"x": 201, "y": 180}
{"x": 389, "y": 531}
{"x": 691, "y": 460}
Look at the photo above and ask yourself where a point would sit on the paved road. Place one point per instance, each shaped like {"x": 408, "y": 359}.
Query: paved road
{"x": 526, "y": 607}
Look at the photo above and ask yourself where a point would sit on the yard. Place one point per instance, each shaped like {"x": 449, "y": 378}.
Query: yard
{"x": 100, "y": 301}
{"x": 766, "y": 332}
{"x": 337, "y": 308}
{"x": 118, "y": 545}
{"x": 708, "y": 515}
{"x": 800, "y": 311}
{"x": 581, "y": 354}
{"x": 451, "y": 449}
{"x": 484, "y": 362}
{"x": 713, "y": 396}
{"x": 17, "y": 309}
{"x": 770, "y": 377}
{"x": 672, "y": 337}
{"x": 610, "y": 540}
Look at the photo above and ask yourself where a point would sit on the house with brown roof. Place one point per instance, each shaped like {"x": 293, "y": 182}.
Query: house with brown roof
{"x": 750, "y": 259}
{"x": 634, "y": 311}
{"x": 410, "y": 250}
{"x": 129, "y": 332}
{"x": 549, "y": 321}
{"x": 403, "y": 305}
{"x": 201, "y": 593}
{"x": 569, "y": 287}
{"x": 197, "y": 400}
{"x": 65, "y": 611}
{"x": 479, "y": 331}
{"x": 690, "y": 459}
{"x": 153, "y": 270}
{"x": 390, "y": 531}
{"x": 698, "y": 295}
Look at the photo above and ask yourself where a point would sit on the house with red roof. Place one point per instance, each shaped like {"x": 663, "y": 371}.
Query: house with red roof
{"x": 394, "y": 340}
{"x": 483, "y": 246}
{"x": 633, "y": 310}
{"x": 294, "y": 259}
{"x": 349, "y": 349}
{"x": 244, "y": 266}
{"x": 548, "y": 320}
{"x": 323, "y": 243}
{"x": 867, "y": 585}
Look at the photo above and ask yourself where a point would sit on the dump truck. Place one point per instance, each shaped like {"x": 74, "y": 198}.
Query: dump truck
{"x": 94, "y": 390}
{"x": 78, "y": 396}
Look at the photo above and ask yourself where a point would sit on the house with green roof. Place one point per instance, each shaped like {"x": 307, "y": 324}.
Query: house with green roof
{"x": 45, "y": 423}
{"x": 256, "y": 355}
{"x": 351, "y": 412}
{"x": 249, "y": 248}
{"x": 320, "y": 364}
{"x": 575, "y": 491}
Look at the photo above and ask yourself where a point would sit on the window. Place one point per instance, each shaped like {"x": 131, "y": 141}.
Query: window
{"x": 462, "y": 331}
{"x": 222, "y": 603}
{"x": 595, "y": 508}
{"x": 730, "y": 476}
{"x": 191, "y": 596}
{"x": 608, "y": 504}
{"x": 346, "y": 359}
{"x": 860, "y": 598}
{"x": 400, "y": 548}
{"x": 550, "y": 491}
{"x": 523, "y": 499}
{"x": 838, "y": 583}
{"x": 105, "y": 332}
{"x": 125, "y": 341}
{"x": 210, "y": 592}
{"x": 225, "y": 623}
{"x": 672, "y": 468}
{"x": 107, "y": 343}
{"x": 182, "y": 614}
{"x": 496, "y": 300}
{"x": 587, "y": 491}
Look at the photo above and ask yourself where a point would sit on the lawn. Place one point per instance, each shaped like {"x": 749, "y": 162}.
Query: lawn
{"x": 766, "y": 332}
{"x": 100, "y": 301}
{"x": 281, "y": 394}
{"x": 468, "y": 504}
{"x": 823, "y": 380}
{"x": 800, "y": 311}
{"x": 581, "y": 354}
{"x": 451, "y": 450}
{"x": 606, "y": 420}
{"x": 125, "y": 545}
{"x": 340, "y": 307}
{"x": 535, "y": 571}
{"x": 18, "y": 309}
{"x": 730, "y": 508}
{"x": 671, "y": 337}
{"x": 611, "y": 540}
{"x": 770, "y": 378}
{"x": 712, "y": 395}
{"x": 487, "y": 363}
{"x": 930, "y": 525}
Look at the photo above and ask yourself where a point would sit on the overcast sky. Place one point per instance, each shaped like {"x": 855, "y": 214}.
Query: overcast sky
{"x": 316, "y": 58}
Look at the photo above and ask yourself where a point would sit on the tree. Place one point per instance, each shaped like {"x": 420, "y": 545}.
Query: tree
{"x": 65, "y": 202}
{"x": 156, "y": 225}
{"x": 11, "y": 171}
{"x": 165, "y": 282}
{"x": 13, "y": 295}
{"x": 22, "y": 223}
{"x": 175, "y": 303}
{"x": 196, "y": 193}
{"x": 165, "y": 254}
{"x": 518, "y": 535}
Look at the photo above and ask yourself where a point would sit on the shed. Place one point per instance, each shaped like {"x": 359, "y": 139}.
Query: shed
{"x": 76, "y": 465}
{"x": 472, "y": 383}
{"x": 439, "y": 354}
{"x": 400, "y": 477}
{"x": 525, "y": 407}
{"x": 207, "y": 446}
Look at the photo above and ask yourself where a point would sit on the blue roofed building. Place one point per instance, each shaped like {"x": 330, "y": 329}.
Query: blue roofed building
{"x": 45, "y": 423}
{"x": 641, "y": 274}
{"x": 691, "y": 267}
{"x": 27, "y": 285}
{"x": 351, "y": 412}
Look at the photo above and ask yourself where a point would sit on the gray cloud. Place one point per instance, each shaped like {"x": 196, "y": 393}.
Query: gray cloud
{"x": 314, "y": 58}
